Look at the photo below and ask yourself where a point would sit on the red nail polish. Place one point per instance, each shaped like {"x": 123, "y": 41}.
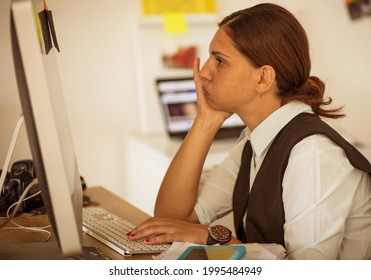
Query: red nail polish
{"x": 146, "y": 240}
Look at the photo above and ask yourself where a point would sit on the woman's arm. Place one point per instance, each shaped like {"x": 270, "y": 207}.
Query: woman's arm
{"x": 317, "y": 207}
{"x": 179, "y": 188}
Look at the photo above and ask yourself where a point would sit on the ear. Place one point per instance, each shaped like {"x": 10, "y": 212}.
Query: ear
{"x": 267, "y": 78}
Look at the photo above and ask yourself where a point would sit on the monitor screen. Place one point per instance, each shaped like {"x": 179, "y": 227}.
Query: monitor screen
{"x": 47, "y": 126}
{"x": 179, "y": 107}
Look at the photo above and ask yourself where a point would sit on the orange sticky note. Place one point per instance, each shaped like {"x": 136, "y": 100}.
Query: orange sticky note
{"x": 175, "y": 23}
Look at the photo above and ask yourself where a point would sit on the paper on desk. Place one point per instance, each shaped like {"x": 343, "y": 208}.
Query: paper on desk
{"x": 254, "y": 251}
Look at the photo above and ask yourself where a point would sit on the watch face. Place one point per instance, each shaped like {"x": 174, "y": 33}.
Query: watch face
{"x": 220, "y": 233}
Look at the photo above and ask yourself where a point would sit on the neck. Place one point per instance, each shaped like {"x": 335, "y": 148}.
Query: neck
{"x": 257, "y": 112}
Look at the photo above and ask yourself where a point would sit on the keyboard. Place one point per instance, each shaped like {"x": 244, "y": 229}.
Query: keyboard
{"x": 112, "y": 231}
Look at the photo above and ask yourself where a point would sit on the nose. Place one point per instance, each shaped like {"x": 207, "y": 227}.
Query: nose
{"x": 205, "y": 73}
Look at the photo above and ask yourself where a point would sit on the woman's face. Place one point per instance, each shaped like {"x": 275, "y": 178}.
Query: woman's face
{"x": 228, "y": 79}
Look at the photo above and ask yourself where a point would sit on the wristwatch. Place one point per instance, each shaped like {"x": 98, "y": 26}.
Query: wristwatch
{"x": 218, "y": 234}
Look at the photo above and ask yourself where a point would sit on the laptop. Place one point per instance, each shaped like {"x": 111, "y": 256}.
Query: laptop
{"x": 179, "y": 107}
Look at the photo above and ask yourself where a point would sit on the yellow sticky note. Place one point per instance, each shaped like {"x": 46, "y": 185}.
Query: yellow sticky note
{"x": 39, "y": 30}
{"x": 175, "y": 23}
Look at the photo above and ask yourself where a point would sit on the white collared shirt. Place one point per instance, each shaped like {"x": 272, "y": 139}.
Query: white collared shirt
{"x": 327, "y": 201}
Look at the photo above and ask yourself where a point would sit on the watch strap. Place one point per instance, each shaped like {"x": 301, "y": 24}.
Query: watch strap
{"x": 210, "y": 240}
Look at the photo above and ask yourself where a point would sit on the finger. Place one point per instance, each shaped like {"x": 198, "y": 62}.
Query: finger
{"x": 154, "y": 226}
{"x": 143, "y": 225}
{"x": 196, "y": 67}
{"x": 157, "y": 231}
{"x": 156, "y": 221}
{"x": 195, "y": 234}
{"x": 147, "y": 232}
{"x": 165, "y": 238}
{"x": 196, "y": 74}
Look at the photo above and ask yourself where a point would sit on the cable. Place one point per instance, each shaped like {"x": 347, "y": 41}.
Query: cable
{"x": 24, "y": 227}
{"x": 18, "y": 226}
{"x": 10, "y": 152}
{"x": 37, "y": 229}
{"x": 41, "y": 230}
{"x": 16, "y": 206}
{"x": 32, "y": 184}
{"x": 18, "y": 203}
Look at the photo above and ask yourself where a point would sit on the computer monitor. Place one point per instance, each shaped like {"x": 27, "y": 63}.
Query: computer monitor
{"x": 47, "y": 126}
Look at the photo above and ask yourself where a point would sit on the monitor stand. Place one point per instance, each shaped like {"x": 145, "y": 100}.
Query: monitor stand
{"x": 31, "y": 251}
{"x": 10, "y": 151}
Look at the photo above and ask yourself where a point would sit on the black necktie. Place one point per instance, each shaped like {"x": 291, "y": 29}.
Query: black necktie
{"x": 241, "y": 192}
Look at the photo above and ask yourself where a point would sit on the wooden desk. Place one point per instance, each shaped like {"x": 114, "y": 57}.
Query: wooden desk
{"x": 99, "y": 197}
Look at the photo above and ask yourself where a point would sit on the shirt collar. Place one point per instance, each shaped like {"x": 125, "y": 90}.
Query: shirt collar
{"x": 262, "y": 136}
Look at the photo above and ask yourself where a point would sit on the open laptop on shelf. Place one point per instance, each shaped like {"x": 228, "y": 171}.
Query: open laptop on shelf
{"x": 178, "y": 103}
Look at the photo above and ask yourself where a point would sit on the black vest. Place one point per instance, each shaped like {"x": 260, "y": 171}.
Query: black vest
{"x": 265, "y": 211}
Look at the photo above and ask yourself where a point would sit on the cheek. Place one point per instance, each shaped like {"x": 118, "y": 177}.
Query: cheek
{"x": 233, "y": 88}
{"x": 226, "y": 96}
{"x": 237, "y": 94}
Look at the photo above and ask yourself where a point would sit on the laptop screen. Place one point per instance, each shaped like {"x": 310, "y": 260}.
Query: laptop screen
{"x": 179, "y": 107}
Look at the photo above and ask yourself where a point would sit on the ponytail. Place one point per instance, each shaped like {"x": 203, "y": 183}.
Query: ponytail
{"x": 311, "y": 93}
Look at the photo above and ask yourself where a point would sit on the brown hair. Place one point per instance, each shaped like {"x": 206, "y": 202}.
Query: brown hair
{"x": 268, "y": 34}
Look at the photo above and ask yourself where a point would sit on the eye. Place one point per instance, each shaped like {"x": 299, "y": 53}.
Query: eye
{"x": 219, "y": 61}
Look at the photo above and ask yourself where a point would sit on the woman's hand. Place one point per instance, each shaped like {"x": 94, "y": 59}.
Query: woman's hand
{"x": 162, "y": 230}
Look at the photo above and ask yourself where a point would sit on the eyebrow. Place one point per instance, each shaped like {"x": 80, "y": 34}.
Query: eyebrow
{"x": 218, "y": 53}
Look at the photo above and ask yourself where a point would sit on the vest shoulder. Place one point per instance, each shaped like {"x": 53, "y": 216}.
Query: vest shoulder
{"x": 305, "y": 125}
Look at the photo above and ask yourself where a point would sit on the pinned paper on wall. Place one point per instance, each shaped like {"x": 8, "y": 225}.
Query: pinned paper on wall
{"x": 358, "y": 8}
{"x": 158, "y": 7}
{"x": 48, "y": 29}
{"x": 174, "y": 12}
{"x": 175, "y": 23}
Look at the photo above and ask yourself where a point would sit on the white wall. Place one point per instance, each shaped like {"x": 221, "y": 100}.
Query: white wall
{"x": 98, "y": 73}
{"x": 96, "y": 68}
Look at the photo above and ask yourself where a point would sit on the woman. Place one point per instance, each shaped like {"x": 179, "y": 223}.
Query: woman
{"x": 291, "y": 179}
